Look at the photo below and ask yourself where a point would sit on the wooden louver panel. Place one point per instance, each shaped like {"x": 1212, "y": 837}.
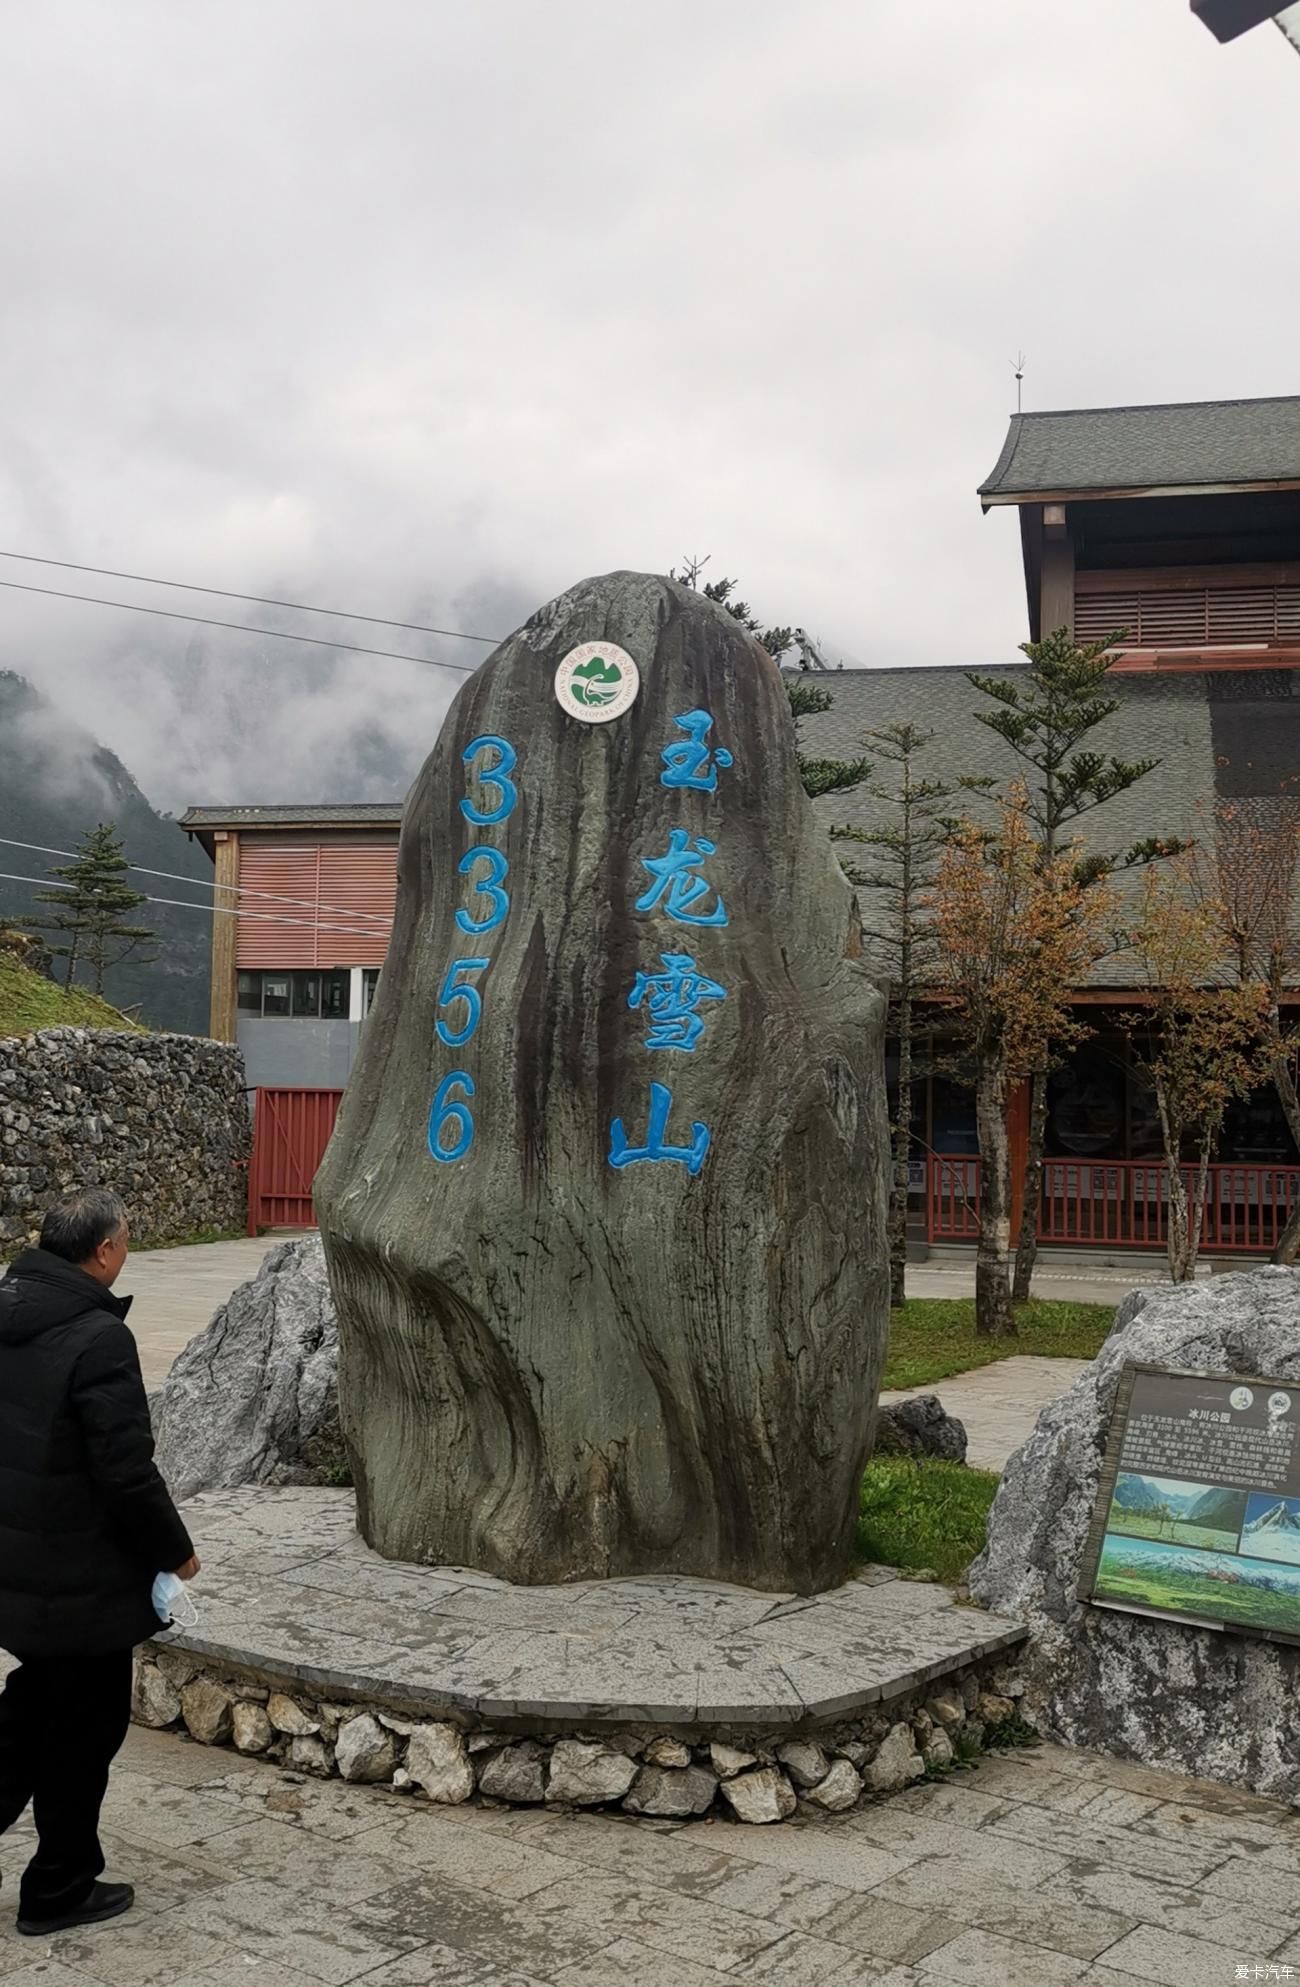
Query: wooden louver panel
{"x": 342, "y": 910}
{"x": 1189, "y": 617}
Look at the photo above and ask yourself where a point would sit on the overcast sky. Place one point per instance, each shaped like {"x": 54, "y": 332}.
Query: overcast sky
{"x": 428, "y": 310}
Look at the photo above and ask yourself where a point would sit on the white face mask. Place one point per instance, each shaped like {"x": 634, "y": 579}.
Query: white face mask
{"x": 171, "y": 1603}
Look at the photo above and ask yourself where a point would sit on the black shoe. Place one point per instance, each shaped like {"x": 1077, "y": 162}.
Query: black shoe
{"x": 104, "y": 1901}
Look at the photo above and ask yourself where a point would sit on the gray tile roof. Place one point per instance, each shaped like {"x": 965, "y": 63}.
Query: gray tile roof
{"x": 1168, "y": 718}
{"x": 1183, "y": 445}
{"x": 309, "y": 814}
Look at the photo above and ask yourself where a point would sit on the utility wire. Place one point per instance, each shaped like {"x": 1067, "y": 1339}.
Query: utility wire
{"x": 242, "y": 627}
{"x": 260, "y": 599}
{"x": 202, "y": 883}
{"x": 208, "y": 910}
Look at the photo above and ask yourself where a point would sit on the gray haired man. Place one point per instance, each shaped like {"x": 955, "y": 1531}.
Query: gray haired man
{"x": 86, "y": 1524}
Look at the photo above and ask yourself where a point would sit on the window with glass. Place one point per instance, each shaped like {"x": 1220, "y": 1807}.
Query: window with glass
{"x": 297, "y": 996}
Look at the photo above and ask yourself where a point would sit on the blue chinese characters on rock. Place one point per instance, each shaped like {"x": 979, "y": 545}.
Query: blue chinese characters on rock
{"x": 460, "y": 1001}
{"x": 680, "y": 889}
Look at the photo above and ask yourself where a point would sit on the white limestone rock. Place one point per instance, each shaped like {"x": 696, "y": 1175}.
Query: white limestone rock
{"x": 728, "y": 1761}
{"x": 585, "y": 1775}
{"x": 364, "y": 1750}
{"x": 805, "y": 1762}
{"x": 206, "y": 1707}
{"x": 895, "y": 1764}
{"x": 1215, "y": 1706}
{"x": 668, "y": 1752}
{"x": 310, "y": 1754}
{"x": 290, "y": 1717}
{"x": 939, "y": 1752}
{"x": 154, "y": 1700}
{"x": 436, "y": 1760}
{"x": 251, "y": 1728}
{"x": 761, "y": 1795}
{"x": 841, "y": 1789}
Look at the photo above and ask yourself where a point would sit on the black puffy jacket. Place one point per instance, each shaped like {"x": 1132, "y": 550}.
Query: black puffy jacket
{"x": 86, "y": 1521}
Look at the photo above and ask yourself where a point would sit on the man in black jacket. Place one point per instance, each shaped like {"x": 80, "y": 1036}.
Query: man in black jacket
{"x": 86, "y": 1525}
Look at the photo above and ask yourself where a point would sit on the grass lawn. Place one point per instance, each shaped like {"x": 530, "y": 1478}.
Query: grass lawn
{"x": 29, "y": 1001}
{"x": 932, "y": 1337}
{"x": 924, "y": 1514}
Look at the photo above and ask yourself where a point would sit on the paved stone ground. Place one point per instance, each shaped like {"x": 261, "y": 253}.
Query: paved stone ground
{"x": 1039, "y": 1867}
{"x": 176, "y": 1292}
{"x": 290, "y": 1588}
{"x": 999, "y": 1404}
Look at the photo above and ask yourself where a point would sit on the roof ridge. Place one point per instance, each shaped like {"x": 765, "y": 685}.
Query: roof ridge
{"x": 1159, "y": 406}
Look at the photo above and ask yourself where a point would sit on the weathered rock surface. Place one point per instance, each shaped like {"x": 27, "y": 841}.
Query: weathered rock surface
{"x": 896, "y": 1762}
{"x": 667, "y": 1752}
{"x": 310, "y": 1754}
{"x": 518, "y": 1773}
{"x": 584, "y": 1775}
{"x": 437, "y": 1760}
{"x": 841, "y": 1788}
{"x": 803, "y": 1761}
{"x": 1216, "y": 1705}
{"x": 363, "y": 1750}
{"x": 205, "y": 1707}
{"x": 672, "y": 1790}
{"x": 253, "y": 1398}
{"x": 163, "y": 1118}
{"x": 289, "y": 1717}
{"x": 762, "y": 1795}
{"x": 728, "y": 1761}
{"x": 708, "y": 1256}
{"x": 251, "y": 1729}
{"x": 919, "y": 1427}
{"x": 154, "y": 1701}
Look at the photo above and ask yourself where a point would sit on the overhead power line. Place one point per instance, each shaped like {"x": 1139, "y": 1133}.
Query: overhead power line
{"x": 204, "y": 883}
{"x": 208, "y": 910}
{"x": 259, "y": 599}
{"x": 241, "y": 627}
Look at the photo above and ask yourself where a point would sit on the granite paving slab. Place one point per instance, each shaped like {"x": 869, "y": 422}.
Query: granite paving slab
{"x": 285, "y": 1882}
{"x": 292, "y": 1593}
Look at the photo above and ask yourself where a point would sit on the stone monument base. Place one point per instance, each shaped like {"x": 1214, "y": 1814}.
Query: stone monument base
{"x": 662, "y": 1696}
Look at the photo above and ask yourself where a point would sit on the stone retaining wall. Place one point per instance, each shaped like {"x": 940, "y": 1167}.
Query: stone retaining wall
{"x": 642, "y": 1770}
{"x": 162, "y": 1118}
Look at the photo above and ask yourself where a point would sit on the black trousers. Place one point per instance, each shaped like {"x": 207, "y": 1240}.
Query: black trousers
{"x": 62, "y": 1722}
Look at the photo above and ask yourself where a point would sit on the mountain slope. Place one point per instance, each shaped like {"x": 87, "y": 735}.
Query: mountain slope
{"x": 56, "y": 781}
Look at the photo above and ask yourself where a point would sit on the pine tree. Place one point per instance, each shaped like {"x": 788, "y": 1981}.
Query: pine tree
{"x": 91, "y": 907}
{"x": 819, "y": 776}
{"x": 1045, "y": 717}
{"x": 903, "y": 867}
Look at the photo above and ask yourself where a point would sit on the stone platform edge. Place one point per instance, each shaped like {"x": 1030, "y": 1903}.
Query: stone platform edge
{"x": 643, "y": 1770}
{"x": 414, "y": 1697}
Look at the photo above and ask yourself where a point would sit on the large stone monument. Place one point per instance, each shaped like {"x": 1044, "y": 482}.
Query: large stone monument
{"x": 604, "y": 1209}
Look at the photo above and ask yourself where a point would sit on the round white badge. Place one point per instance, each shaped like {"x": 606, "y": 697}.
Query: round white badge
{"x": 597, "y": 681}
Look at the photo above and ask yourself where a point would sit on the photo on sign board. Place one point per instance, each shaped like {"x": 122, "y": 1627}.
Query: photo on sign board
{"x": 1174, "y": 1579}
{"x": 1272, "y": 1527}
{"x": 1161, "y": 1507}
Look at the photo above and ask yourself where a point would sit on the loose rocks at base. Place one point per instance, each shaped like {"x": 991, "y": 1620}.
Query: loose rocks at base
{"x": 643, "y": 1772}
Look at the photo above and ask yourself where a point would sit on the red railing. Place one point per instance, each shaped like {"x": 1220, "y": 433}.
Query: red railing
{"x": 291, "y": 1129}
{"x": 1123, "y": 1204}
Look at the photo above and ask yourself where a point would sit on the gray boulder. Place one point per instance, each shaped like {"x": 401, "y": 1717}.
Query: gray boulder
{"x": 1216, "y": 1705}
{"x": 253, "y": 1399}
{"x": 604, "y": 1206}
{"x": 919, "y": 1427}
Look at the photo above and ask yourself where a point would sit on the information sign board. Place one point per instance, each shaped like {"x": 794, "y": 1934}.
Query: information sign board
{"x": 1198, "y": 1510}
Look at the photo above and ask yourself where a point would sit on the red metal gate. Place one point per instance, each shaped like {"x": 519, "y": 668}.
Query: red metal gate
{"x": 291, "y": 1129}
